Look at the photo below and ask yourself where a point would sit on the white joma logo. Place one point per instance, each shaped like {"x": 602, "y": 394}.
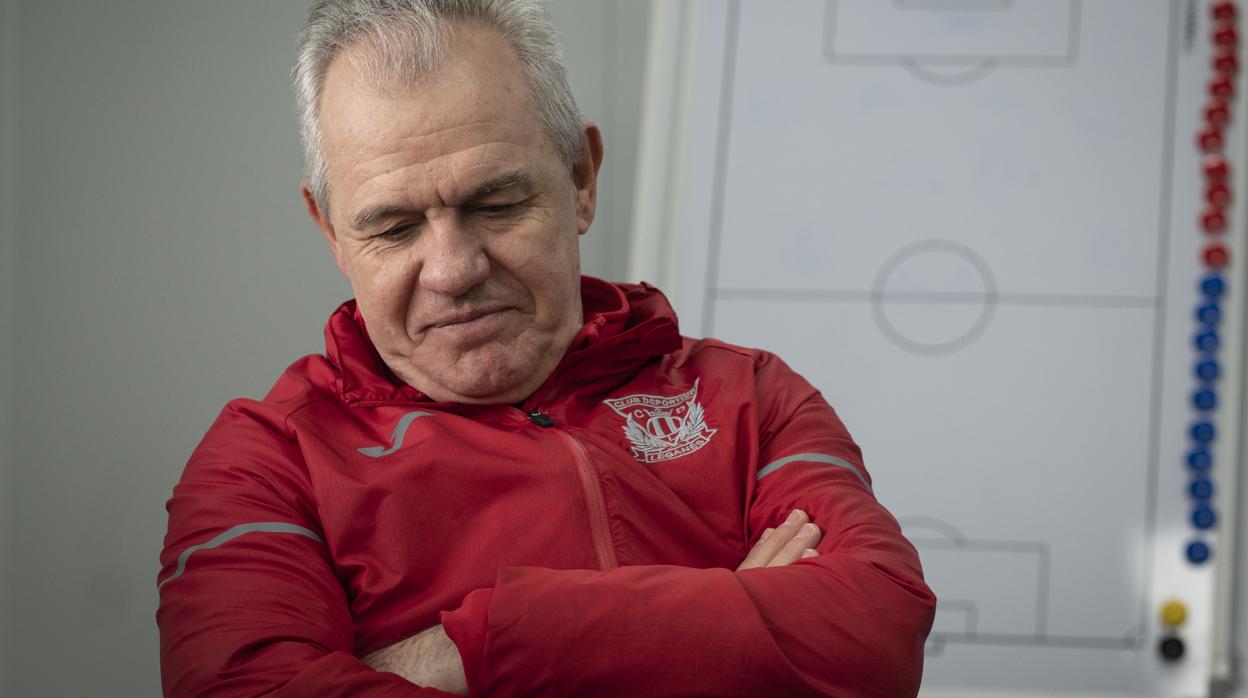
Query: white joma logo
{"x": 396, "y": 439}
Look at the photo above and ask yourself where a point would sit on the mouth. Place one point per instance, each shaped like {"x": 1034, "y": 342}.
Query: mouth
{"x": 466, "y": 318}
{"x": 472, "y": 327}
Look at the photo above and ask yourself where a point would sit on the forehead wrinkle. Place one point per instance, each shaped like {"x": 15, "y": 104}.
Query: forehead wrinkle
{"x": 388, "y": 134}
{"x": 379, "y": 134}
{"x": 464, "y": 186}
{"x": 384, "y": 191}
{"x": 469, "y": 176}
{"x": 397, "y": 160}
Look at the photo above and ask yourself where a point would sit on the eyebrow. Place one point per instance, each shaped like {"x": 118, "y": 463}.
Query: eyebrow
{"x": 369, "y": 216}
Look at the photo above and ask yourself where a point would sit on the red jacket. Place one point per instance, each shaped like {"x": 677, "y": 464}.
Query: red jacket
{"x": 580, "y": 544}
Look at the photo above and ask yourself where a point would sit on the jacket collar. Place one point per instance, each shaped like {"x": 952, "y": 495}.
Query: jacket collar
{"x": 625, "y": 326}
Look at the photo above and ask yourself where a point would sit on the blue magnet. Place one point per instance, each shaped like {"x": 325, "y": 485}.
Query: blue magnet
{"x": 1212, "y": 286}
{"x": 1199, "y": 459}
{"x": 1209, "y": 314}
{"x": 1198, "y": 551}
{"x": 1201, "y": 488}
{"x": 1208, "y": 370}
{"x": 1203, "y": 517}
{"x": 1206, "y": 340}
{"x": 1204, "y": 399}
{"x": 1203, "y": 432}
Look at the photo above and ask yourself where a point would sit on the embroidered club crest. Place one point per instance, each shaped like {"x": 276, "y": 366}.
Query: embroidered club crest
{"x": 663, "y": 428}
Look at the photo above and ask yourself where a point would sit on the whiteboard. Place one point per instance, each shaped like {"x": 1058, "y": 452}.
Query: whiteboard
{"x": 973, "y": 225}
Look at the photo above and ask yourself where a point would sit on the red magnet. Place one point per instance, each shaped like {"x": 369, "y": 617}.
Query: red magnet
{"x": 1217, "y": 113}
{"x": 1216, "y": 255}
{"x": 1221, "y": 87}
{"x": 1216, "y": 167}
{"x": 1210, "y": 139}
{"x": 1218, "y": 194}
{"x": 1225, "y": 61}
{"x": 1213, "y": 221}
{"x": 1223, "y": 10}
{"x": 1225, "y": 35}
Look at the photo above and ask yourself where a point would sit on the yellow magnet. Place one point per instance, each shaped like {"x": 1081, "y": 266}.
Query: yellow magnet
{"x": 1173, "y": 613}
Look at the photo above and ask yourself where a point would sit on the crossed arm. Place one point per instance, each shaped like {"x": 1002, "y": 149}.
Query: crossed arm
{"x": 431, "y": 659}
{"x": 265, "y": 614}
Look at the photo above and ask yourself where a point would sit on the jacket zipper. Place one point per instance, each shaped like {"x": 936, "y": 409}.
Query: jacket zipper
{"x": 599, "y": 526}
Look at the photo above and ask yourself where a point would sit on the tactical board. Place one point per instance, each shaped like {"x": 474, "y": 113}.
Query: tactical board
{"x": 976, "y": 227}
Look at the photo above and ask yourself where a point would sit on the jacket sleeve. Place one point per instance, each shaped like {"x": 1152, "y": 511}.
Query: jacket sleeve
{"x": 850, "y": 622}
{"x": 249, "y": 603}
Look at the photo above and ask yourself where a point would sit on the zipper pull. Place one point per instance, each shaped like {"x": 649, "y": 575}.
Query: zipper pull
{"x": 541, "y": 419}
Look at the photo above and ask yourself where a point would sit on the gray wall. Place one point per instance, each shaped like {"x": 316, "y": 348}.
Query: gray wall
{"x": 604, "y": 41}
{"x": 8, "y": 310}
{"x": 161, "y": 265}
{"x": 166, "y": 266}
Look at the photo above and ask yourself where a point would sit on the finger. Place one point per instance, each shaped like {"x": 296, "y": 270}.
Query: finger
{"x": 807, "y": 537}
{"x": 381, "y": 660}
{"x": 783, "y": 535}
{"x": 762, "y": 553}
{"x": 809, "y": 552}
{"x": 764, "y": 550}
{"x": 758, "y": 556}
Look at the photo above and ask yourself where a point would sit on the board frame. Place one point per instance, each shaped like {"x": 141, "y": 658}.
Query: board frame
{"x": 684, "y": 38}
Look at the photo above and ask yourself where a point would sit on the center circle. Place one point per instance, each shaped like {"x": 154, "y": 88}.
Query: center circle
{"x": 934, "y": 297}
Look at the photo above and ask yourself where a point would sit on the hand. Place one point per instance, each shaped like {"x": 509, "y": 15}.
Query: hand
{"x": 428, "y": 659}
{"x": 793, "y": 540}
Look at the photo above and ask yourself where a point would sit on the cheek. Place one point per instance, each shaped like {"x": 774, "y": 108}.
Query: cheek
{"x": 551, "y": 273}
{"x": 383, "y": 286}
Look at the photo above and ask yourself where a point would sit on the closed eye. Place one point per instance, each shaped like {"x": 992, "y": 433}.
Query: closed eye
{"x": 396, "y": 233}
{"x": 495, "y": 209}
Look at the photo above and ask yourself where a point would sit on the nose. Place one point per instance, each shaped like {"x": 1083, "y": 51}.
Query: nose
{"x": 455, "y": 258}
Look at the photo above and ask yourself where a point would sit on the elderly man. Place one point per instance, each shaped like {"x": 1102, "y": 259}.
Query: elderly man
{"x": 504, "y": 478}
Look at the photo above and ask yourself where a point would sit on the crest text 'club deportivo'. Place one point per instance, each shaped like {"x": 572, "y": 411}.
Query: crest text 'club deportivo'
{"x": 663, "y": 428}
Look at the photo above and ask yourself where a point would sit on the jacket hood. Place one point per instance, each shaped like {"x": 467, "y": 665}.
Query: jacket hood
{"x": 625, "y": 325}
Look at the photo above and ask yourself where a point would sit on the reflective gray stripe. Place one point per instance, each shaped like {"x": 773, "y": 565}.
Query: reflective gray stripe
{"x": 260, "y": 527}
{"x": 396, "y": 439}
{"x": 813, "y": 458}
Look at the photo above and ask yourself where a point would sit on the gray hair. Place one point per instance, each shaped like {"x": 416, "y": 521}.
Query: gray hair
{"x": 409, "y": 39}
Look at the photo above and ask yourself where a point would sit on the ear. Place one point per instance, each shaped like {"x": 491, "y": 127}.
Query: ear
{"x": 321, "y": 218}
{"x": 585, "y": 176}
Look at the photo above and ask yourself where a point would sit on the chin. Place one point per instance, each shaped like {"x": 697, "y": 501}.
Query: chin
{"x": 503, "y": 371}
{"x": 496, "y": 375}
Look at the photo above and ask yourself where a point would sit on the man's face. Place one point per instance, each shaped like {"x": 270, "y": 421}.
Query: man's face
{"x": 456, "y": 221}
